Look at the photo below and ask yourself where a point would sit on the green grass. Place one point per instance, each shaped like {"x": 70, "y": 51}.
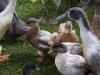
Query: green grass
{"x": 22, "y": 52}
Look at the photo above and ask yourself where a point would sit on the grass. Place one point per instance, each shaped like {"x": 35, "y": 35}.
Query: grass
{"x": 22, "y": 52}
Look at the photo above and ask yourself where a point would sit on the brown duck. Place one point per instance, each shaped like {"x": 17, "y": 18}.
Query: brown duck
{"x": 38, "y": 38}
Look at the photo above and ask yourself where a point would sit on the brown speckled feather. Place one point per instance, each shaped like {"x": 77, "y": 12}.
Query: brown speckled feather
{"x": 69, "y": 37}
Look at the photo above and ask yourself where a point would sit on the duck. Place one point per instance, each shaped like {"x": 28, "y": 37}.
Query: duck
{"x": 27, "y": 70}
{"x": 18, "y": 28}
{"x": 67, "y": 63}
{"x": 96, "y": 19}
{"x": 66, "y": 34}
{"x": 38, "y": 39}
{"x": 6, "y": 17}
{"x": 90, "y": 42}
{"x": 73, "y": 47}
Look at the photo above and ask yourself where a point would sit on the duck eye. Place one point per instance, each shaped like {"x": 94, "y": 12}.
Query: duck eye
{"x": 72, "y": 12}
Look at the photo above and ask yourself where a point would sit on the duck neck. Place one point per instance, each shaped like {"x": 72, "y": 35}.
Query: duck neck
{"x": 33, "y": 33}
{"x": 97, "y": 9}
{"x": 10, "y": 9}
{"x": 85, "y": 32}
{"x": 84, "y": 23}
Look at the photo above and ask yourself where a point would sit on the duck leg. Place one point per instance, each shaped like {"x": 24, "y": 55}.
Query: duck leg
{"x": 4, "y": 57}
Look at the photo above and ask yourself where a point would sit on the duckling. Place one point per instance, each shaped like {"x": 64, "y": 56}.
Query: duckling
{"x": 38, "y": 38}
{"x": 91, "y": 43}
{"x": 67, "y": 63}
{"x": 28, "y": 69}
{"x": 96, "y": 19}
{"x": 66, "y": 34}
{"x": 6, "y": 17}
{"x": 17, "y": 27}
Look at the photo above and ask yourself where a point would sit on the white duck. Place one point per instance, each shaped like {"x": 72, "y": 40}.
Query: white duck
{"x": 91, "y": 44}
{"x": 6, "y": 17}
{"x": 67, "y": 63}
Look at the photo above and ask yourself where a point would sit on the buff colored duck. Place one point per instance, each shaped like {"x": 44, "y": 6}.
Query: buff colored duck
{"x": 66, "y": 34}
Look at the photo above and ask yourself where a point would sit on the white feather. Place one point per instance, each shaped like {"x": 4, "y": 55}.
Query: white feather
{"x": 6, "y": 17}
{"x": 67, "y": 64}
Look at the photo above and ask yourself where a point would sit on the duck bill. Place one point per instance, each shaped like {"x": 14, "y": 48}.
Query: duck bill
{"x": 61, "y": 16}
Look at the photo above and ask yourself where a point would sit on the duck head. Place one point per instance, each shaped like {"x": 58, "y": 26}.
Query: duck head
{"x": 28, "y": 68}
{"x": 75, "y": 13}
{"x": 87, "y": 3}
{"x": 78, "y": 15}
{"x": 34, "y": 25}
{"x": 60, "y": 48}
{"x": 33, "y": 32}
{"x": 32, "y": 21}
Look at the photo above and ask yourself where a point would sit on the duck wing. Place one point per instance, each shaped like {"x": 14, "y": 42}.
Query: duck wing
{"x": 41, "y": 45}
{"x": 70, "y": 64}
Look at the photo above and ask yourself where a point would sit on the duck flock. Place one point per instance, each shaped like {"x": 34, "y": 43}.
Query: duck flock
{"x": 71, "y": 57}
